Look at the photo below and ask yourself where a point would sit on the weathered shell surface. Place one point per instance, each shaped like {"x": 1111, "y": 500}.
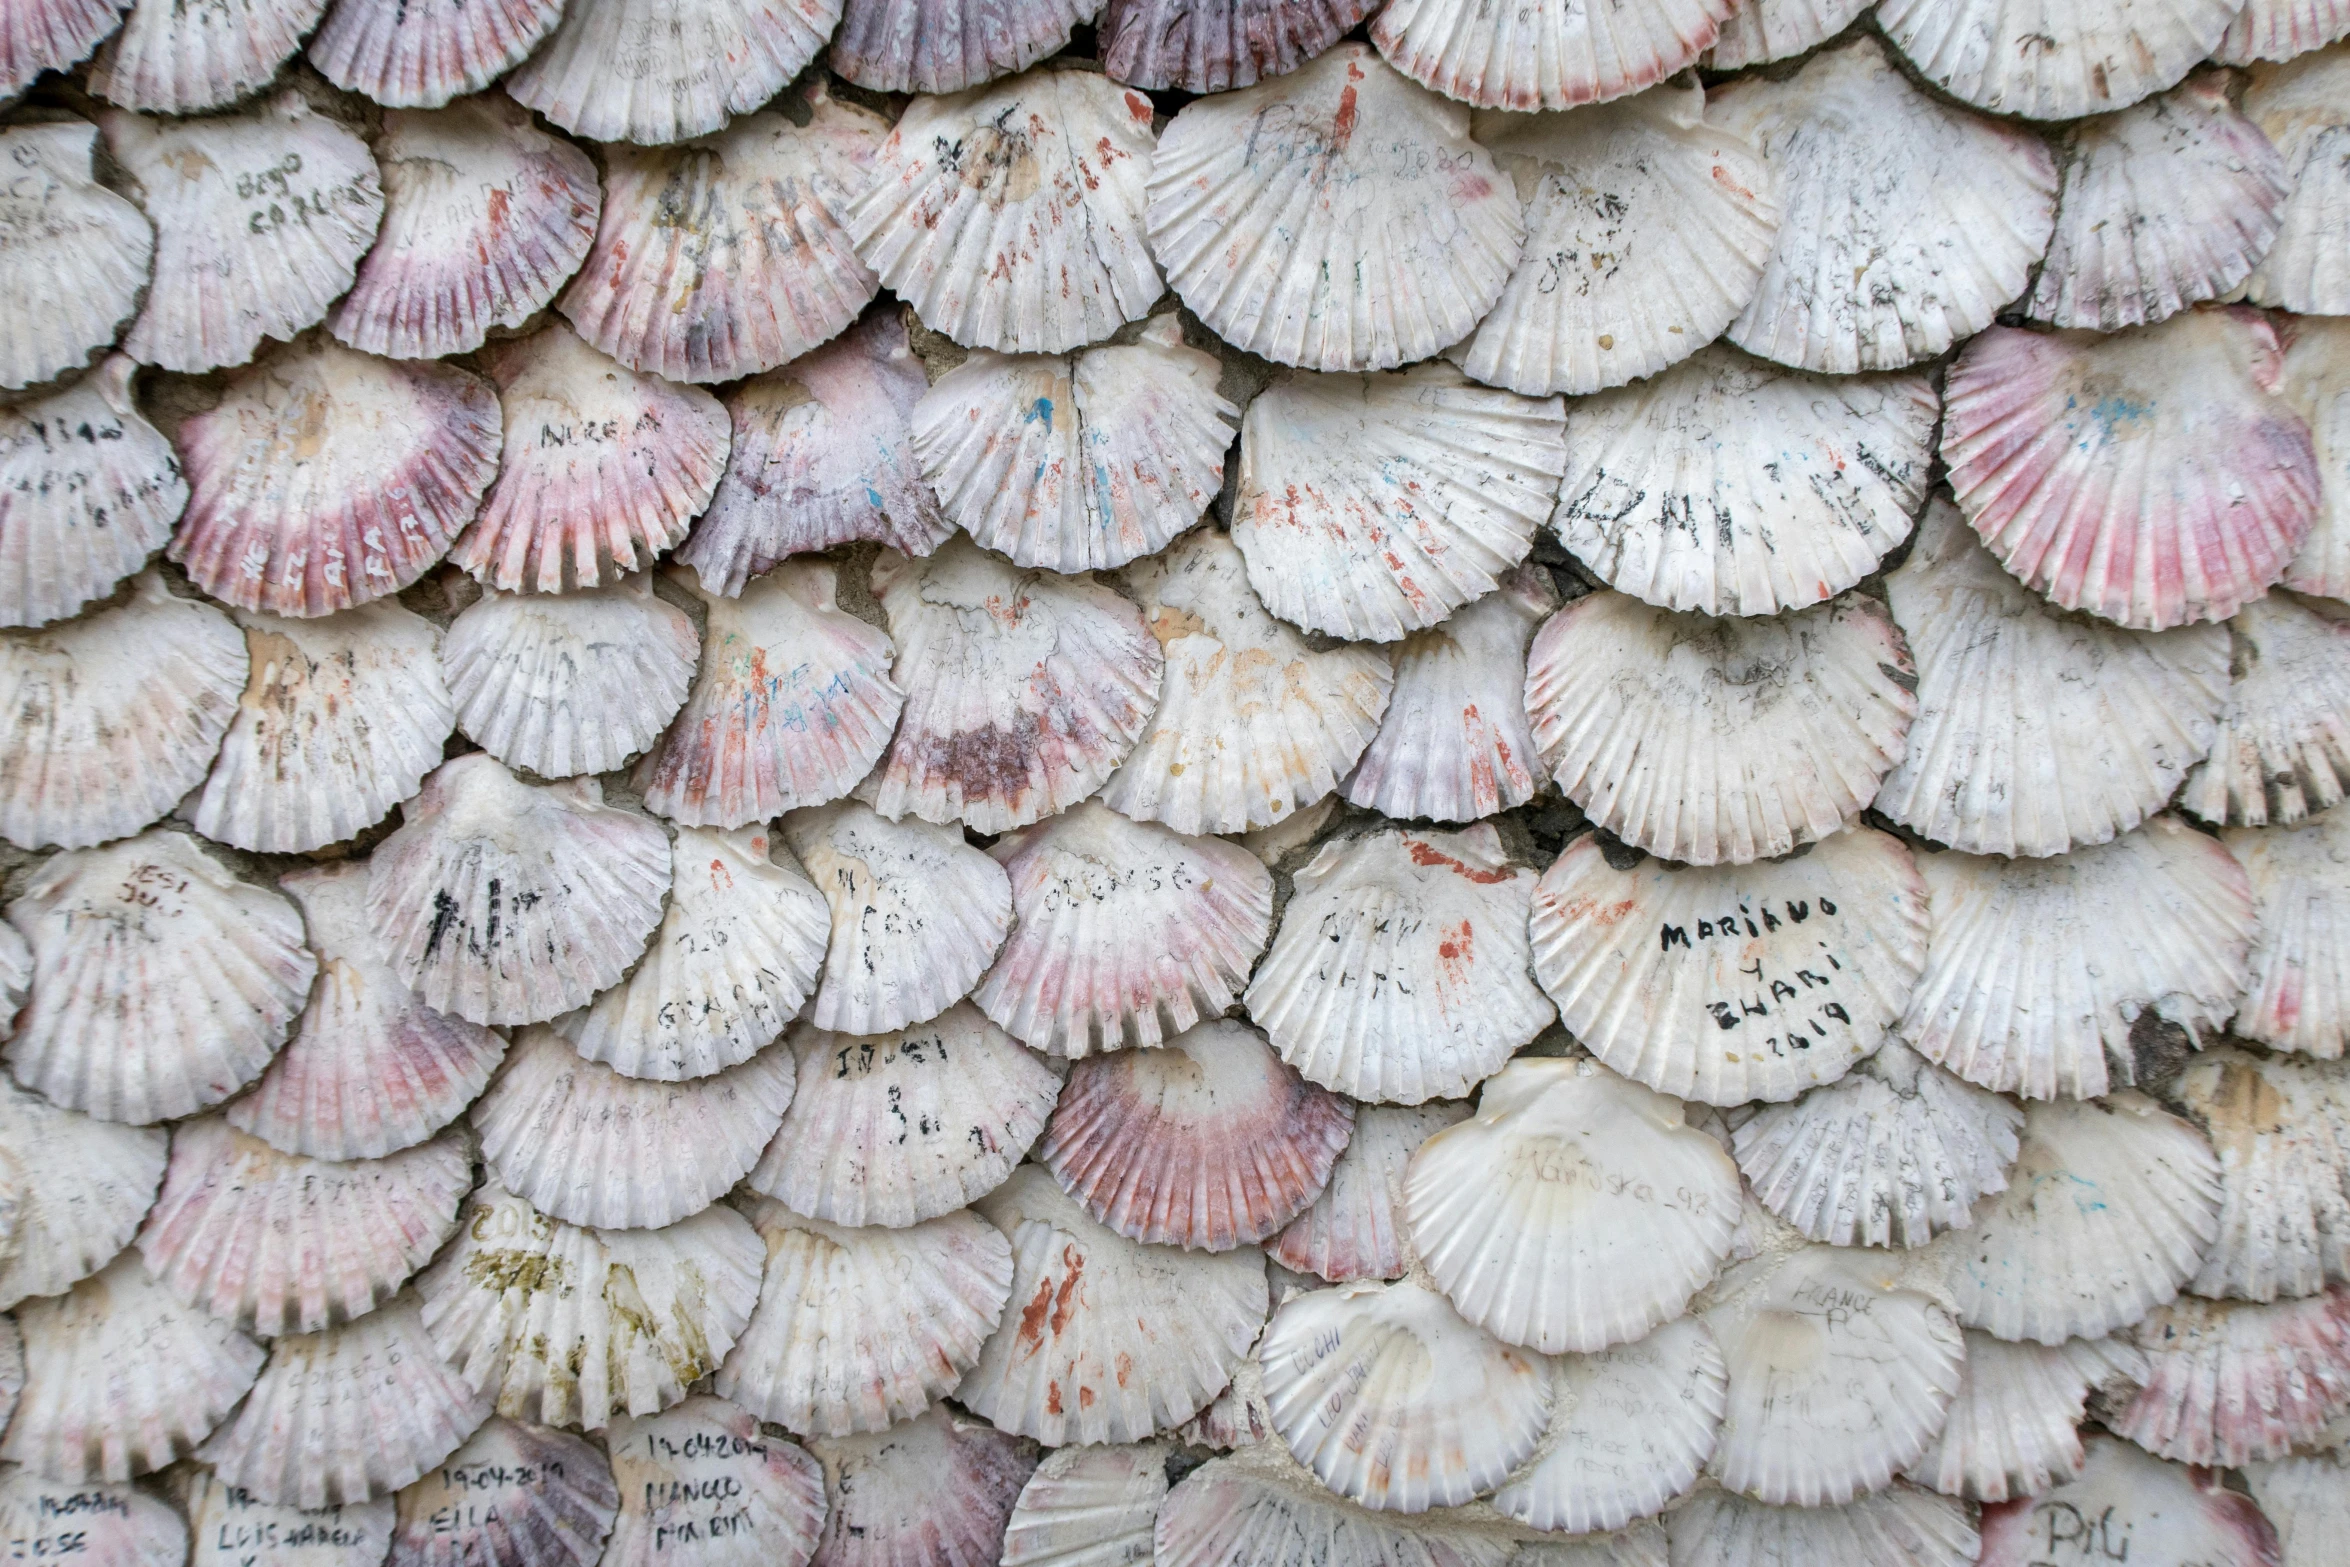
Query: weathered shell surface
{"x": 936, "y": 1488}
{"x": 2049, "y": 60}
{"x": 2315, "y": 382}
{"x": 2282, "y": 752}
{"x": 1205, "y": 46}
{"x": 514, "y": 1496}
{"x": 2299, "y": 106}
{"x": 410, "y": 55}
{"x": 86, "y": 1185}
{"x": 2294, "y": 998}
{"x": 655, "y": 71}
{"x": 2187, "y": 1515}
{"x": 88, "y": 490}
{"x": 115, "y": 1524}
{"x": 2281, "y": 1128}
{"x": 56, "y": 222}
{"x": 227, "y": 1522}
{"x": 183, "y": 59}
{"x": 1552, "y": 55}
{"x": 703, "y": 1482}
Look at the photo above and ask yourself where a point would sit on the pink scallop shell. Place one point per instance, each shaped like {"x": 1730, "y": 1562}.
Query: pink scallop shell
{"x": 50, "y": 35}
{"x": 1205, "y": 46}
{"x": 2231, "y": 1383}
{"x": 419, "y": 54}
{"x": 1551, "y": 54}
{"x": 945, "y": 46}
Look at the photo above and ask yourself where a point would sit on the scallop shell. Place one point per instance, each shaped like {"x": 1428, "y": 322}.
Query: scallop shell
{"x": 2050, "y": 60}
{"x": 231, "y": 1527}
{"x": 2153, "y": 477}
{"x": 1236, "y": 1417}
{"x": 1890, "y": 1155}
{"x": 736, "y": 956}
{"x": 340, "y": 720}
{"x": 1088, "y": 1507}
{"x": 514, "y": 1496}
{"x": 88, "y": 491}
{"x": 1807, "y": 482}
{"x": 111, "y": 719}
{"x": 702, "y": 1481}
{"x": 1011, "y": 217}
{"x": 2174, "y": 1516}
{"x": 53, "y": 35}
{"x": 58, "y": 222}
{"x": 1654, "y": 969}
{"x": 2283, "y": 747}
{"x": 2279, "y": 30}
{"x": 86, "y": 1186}
{"x": 2010, "y": 1430}
{"x": 326, "y": 478}
{"x": 1208, "y": 1143}
{"x": 2038, "y": 970}
{"x": 2315, "y": 379}
{"x": 1900, "y": 1527}
{"x": 2298, "y": 995}
{"x": 1378, "y": 265}
{"x": 2107, "y": 1213}
{"x": 1081, "y": 462}
{"x": 172, "y": 58}
{"x": 1355, "y": 1228}
{"x": 1400, "y": 972}
{"x": 1241, "y": 1512}
{"x": 730, "y": 255}
{"x": 899, "y": 46}
{"x": 1207, "y": 46}
{"x": 410, "y": 56}
{"x": 2282, "y": 1132}
{"x": 1123, "y": 933}
{"x": 1510, "y": 1210}
{"x": 1630, "y": 1429}
{"x": 161, "y": 983}
{"x": 1839, "y": 1378}
{"x": 579, "y": 1326}
{"x": 1552, "y": 55}
{"x": 277, "y": 1243}
{"x": 1371, "y": 507}
{"x": 570, "y": 684}
{"x": 655, "y": 71}
{"x": 507, "y": 903}
{"x": 1153, "y": 1335}
{"x": 120, "y": 1378}
{"x": 2230, "y": 1383}
{"x": 1253, "y": 723}
{"x": 2299, "y": 106}
{"x": 791, "y": 707}
{"x": 893, "y": 1129}
{"x": 260, "y": 220}
{"x": 1395, "y": 1402}
{"x": 486, "y": 215}
{"x": 2113, "y": 721}
{"x": 934, "y": 1491}
{"x": 2307, "y": 1500}
{"x": 822, "y": 455}
{"x": 857, "y": 1328}
{"x": 371, "y": 1069}
{"x": 2164, "y": 204}
{"x": 619, "y": 467}
{"x": 1763, "y": 30}
{"x": 1907, "y": 223}
{"x": 917, "y": 916}
{"x": 352, "y": 1413}
{"x": 116, "y": 1525}
{"x": 1719, "y": 741}
{"x": 583, "y": 1144}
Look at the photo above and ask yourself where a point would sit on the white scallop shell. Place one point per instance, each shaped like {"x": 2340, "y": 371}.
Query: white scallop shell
{"x": 410, "y": 55}
{"x": 1152, "y": 1336}
{"x": 162, "y": 984}
{"x": 918, "y": 915}
{"x": 1124, "y": 933}
{"x": 172, "y": 58}
{"x": 276, "y": 1243}
{"x": 1900, "y": 1527}
{"x": 729, "y": 255}
{"x": 577, "y": 1326}
{"x": 736, "y": 956}
{"x": 571, "y": 683}
{"x": 352, "y": 1413}
{"x": 2281, "y": 1128}
{"x": 822, "y": 455}
{"x": 1907, "y": 223}
{"x": 1805, "y": 483}
{"x": 1355, "y": 1228}
{"x": 2298, "y": 995}
{"x": 582, "y": 1144}
{"x": 260, "y": 220}
{"x": 1574, "y": 1211}
{"x": 701, "y": 1482}
{"x": 326, "y": 477}
{"x": 2314, "y": 383}
{"x": 1236, "y": 1417}
{"x": 1088, "y": 1507}
{"x": 88, "y": 491}
{"x": 1083, "y": 462}
{"x": 1738, "y": 983}
{"x": 1373, "y": 506}
{"x": 228, "y": 1524}
{"x": 371, "y": 1069}
{"x": 514, "y": 1496}
{"x": 605, "y": 468}
{"x": 2011, "y": 1429}
{"x": 86, "y": 1185}
{"x": 2185, "y": 1517}
{"x": 1253, "y": 723}
{"x": 1763, "y": 30}
{"x": 2037, "y": 970}
{"x": 937, "y": 1489}
{"x": 859, "y": 1328}
{"x": 340, "y": 720}
{"x": 2279, "y": 30}
{"x": 2107, "y": 1214}
{"x": 654, "y": 71}
{"x": 1395, "y": 1402}
{"x": 120, "y": 1378}
{"x": 892, "y": 1129}
{"x": 2307, "y": 1499}
{"x": 57, "y": 222}
{"x": 1024, "y": 689}
{"x": 1391, "y": 245}
{"x": 1554, "y": 54}
{"x": 52, "y": 35}
{"x": 117, "y": 1525}
{"x": 1011, "y": 216}
{"x": 2052, "y": 59}
{"x": 2231, "y": 1382}
{"x": 2283, "y": 747}
{"x": 507, "y": 903}
{"x": 2299, "y": 106}
{"x": 1401, "y": 970}
{"x": 791, "y": 707}
{"x": 2113, "y": 721}
{"x": 111, "y": 719}
{"x": 1244, "y": 1512}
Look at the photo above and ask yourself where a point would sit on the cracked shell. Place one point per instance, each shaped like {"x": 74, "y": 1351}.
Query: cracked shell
{"x": 410, "y": 55}
{"x": 86, "y": 1185}
{"x": 1553, "y": 54}
{"x": 2054, "y": 59}
{"x": 2299, "y": 106}
{"x": 2298, "y": 994}
{"x": 2011, "y": 1430}
{"x": 2232, "y": 1382}
{"x": 655, "y": 71}
{"x": 88, "y": 491}
{"x": 1206, "y": 46}
{"x": 1355, "y": 1228}
{"x": 669, "y": 1466}
{"x": 2184, "y": 1517}
{"x": 937, "y": 1489}
{"x": 59, "y": 222}
{"x": 515, "y": 1495}
{"x": 2282, "y": 752}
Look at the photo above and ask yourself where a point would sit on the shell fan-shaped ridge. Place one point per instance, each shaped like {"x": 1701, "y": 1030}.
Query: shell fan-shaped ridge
{"x": 923, "y": 46}
{"x": 653, "y": 71}
{"x": 410, "y": 55}
{"x": 2046, "y": 60}
{"x": 88, "y": 491}
{"x": 1205, "y": 46}
{"x": 1553, "y": 55}
{"x": 514, "y": 1495}
{"x": 59, "y": 221}
{"x": 87, "y": 1185}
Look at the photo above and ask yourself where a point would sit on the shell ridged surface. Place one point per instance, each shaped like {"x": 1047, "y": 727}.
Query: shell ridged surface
{"x": 652, "y": 71}
{"x": 2298, "y": 105}
{"x": 2301, "y": 957}
{"x": 406, "y": 55}
{"x": 58, "y": 219}
{"x": 2282, "y": 750}
{"x": 2281, "y": 1129}
{"x": 514, "y": 1495}
{"x": 88, "y": 490}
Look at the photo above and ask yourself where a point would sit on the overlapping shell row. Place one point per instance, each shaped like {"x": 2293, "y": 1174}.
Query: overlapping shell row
{"x": 1238, "y": 783}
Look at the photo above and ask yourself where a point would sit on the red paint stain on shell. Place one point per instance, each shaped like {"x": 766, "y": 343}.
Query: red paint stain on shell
{"x": 1429, "y": 854}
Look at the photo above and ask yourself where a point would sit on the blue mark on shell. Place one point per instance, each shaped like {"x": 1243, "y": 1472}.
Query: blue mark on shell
{"x": 1040, "y": 411}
